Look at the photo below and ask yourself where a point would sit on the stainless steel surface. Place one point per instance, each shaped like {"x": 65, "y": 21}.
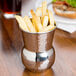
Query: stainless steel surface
{"x": 37, "y": 57}
{"x": 38, "y": 42}
{"x": 38, "y": 62}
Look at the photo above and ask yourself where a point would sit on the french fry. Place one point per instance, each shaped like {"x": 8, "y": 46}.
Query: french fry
{"x": 44, "y": 7}
{"x": 51, "y": 18}
{"x": 39, "y": 11}
{"x": 37, "y": 21}
{"x": 29, "y": 24}
{"x": 45, "y": 21}
{"x": 34, "y": 24}
{"x": 47, "y": 28}
{"x": 21, "y": 22}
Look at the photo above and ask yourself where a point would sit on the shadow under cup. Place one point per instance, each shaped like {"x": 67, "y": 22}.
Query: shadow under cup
{"x": 38, "y": 53}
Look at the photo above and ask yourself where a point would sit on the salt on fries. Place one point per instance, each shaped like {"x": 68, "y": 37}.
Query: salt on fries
{"x": 41, "y": 21}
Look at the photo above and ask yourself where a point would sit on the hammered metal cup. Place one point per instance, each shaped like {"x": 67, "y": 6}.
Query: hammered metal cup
{"x": 38, "y": 53}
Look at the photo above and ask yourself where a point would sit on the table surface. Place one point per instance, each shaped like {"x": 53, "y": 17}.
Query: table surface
{"x": 11, "y": 43}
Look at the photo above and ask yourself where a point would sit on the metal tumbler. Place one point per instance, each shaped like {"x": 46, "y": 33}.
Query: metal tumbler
{"x": 38, "y": 53}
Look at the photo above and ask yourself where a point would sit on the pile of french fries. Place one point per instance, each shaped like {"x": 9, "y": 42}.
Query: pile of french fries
{"x": 42, "y": 20}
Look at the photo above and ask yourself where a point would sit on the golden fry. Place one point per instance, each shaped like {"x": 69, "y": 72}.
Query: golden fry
{"x": 48, "y": 28}
{"x": 39, "y": 11}
{"x": 34, "y": 24}
{"x": 21, "y": 22}
{"x": 45, "y": 21}
{"x": 51, "y": 18}
{"x": 41, "y": 21}
{"x": 29, "y": 24}
{"x": 44, "y": 8}
{"x": 37, "y": 21}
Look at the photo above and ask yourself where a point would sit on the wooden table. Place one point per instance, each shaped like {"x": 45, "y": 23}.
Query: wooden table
{"x": 11, "y": 43}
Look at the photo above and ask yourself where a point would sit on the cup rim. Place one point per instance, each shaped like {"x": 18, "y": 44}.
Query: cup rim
{"x": 38, "y": 32}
